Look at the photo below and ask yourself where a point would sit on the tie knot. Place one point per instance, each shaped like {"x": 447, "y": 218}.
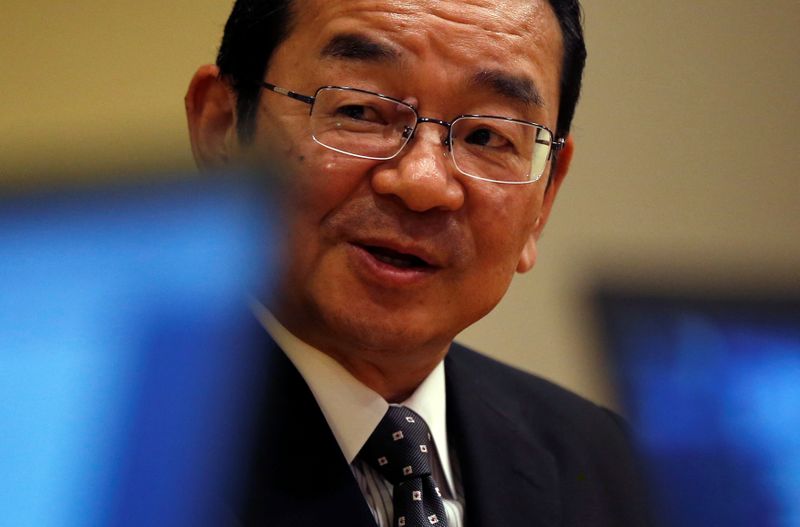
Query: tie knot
{"x": 400, "y": 446}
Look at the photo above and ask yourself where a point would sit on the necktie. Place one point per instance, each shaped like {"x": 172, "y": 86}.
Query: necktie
{"x": 400, "y": 449}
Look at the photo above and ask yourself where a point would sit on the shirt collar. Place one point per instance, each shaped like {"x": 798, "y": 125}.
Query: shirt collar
{"x": 351, "y": 409}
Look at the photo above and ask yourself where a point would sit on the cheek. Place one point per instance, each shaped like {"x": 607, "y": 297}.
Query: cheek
{"x": 320, "y": 181}
{"x": 506, "y": 222}
{"x": 321, "y": 184}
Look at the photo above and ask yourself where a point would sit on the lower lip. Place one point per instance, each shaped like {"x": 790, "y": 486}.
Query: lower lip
{"x": 386, "y": 274}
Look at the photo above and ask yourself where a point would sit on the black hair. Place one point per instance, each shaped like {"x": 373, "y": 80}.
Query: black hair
{"x": 256, "y": 28}
{"x": 570, "y": 18}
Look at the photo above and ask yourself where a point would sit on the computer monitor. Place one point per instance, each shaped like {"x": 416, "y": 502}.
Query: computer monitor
{"x": 125, "y": 347}
{"x": 711, "y": 384}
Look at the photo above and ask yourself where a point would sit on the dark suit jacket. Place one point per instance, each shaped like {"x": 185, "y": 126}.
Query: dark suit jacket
{"x": 530, "y": 454}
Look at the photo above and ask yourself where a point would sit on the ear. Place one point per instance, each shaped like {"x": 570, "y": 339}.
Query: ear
{"x": 211, "y": 114}
{"x": 561, "y": 166}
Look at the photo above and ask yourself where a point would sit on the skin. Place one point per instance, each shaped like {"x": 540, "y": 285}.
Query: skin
{"x": 390, "y": 327}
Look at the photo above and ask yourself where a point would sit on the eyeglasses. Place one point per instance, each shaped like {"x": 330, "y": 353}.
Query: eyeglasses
{"x": 369, "y": 125}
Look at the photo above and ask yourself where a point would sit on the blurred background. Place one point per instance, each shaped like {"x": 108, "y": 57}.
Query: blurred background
{"x": 686, "y": 174}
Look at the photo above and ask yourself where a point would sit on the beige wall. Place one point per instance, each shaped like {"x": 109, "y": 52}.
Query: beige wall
{"x": 92, "y": 85}
{"x": 687, "y": 168}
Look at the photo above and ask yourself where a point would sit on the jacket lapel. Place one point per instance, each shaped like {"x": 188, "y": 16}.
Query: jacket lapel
{"x": 298, "y": 476}
{"x": 509, "y": 478}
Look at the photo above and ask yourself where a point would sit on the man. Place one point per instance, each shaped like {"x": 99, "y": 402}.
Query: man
{"x": 424, "y": 143}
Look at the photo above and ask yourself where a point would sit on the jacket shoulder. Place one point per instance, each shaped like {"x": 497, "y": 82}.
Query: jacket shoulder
{"x": 541, "y": 396}
{"x": 589, "y": 445}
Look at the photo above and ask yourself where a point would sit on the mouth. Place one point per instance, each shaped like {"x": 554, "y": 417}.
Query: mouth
{"x": 397, "y": 259}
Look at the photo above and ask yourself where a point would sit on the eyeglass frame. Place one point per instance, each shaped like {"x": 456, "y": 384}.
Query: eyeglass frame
{"x": 556, "y": 144}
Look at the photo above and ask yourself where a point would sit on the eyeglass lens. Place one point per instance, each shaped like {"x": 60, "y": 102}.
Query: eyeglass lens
{"x": 367, "y": 125}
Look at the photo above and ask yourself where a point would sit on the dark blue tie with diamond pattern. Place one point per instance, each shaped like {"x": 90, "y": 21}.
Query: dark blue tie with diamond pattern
{"x": 400, "y": 449}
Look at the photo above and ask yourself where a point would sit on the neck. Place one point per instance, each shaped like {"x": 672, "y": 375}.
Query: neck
{"x": 394, "y": 372}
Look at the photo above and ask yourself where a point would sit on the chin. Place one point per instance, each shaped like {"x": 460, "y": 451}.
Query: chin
{"x": 404, "y": 333}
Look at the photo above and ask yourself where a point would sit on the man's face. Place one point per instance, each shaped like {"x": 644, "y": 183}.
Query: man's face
{"x": 401, "y": 255}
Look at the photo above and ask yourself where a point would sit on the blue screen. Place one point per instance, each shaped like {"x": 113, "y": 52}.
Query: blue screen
{"x": 713, "y": 391}
{"x": 118, "y": 310}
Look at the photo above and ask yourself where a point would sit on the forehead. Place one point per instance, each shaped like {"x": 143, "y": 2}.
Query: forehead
{"x": 520, "y": 37}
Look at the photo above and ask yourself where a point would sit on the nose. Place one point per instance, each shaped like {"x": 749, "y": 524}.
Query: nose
{"x": 422, "y": 176}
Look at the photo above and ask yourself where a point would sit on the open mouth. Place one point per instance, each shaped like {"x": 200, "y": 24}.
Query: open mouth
{"x": 396, "y": 259}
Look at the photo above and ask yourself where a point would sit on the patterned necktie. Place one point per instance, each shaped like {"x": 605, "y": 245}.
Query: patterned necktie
{"x": 399, "y": 450}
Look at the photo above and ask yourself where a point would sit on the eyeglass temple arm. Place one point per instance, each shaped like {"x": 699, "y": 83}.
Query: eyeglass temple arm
{"x": 297, "y": 96}
{"x": 555, "y": 146}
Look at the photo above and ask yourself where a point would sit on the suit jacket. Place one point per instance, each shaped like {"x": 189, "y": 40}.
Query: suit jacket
{"x": 530, "y": 454}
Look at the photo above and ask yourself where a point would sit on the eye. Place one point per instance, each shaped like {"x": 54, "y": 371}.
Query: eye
{"x": 359, "y": 112}
{"x": 488, "y": 138}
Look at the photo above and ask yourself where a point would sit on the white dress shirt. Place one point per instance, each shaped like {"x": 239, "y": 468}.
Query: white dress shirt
{"x": 353, "y": 411}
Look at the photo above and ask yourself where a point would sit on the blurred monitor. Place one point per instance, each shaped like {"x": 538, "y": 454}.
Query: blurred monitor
{"x": 712, "y": 388}
{"x": 125, "y": 347}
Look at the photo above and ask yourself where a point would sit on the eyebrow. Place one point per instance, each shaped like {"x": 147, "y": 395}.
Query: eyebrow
{"x": 514, "y": 87}
{"x": 358, "y": 47}
{"x": 353, "y": 46}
